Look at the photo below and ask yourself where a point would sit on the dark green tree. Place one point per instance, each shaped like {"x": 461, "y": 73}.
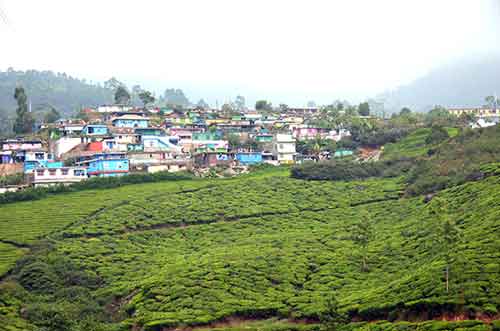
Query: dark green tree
{"x": 438, "y": 134}
{"x": 240, "y": 103}
{"x": 122, "y": 97}
{"x": 202, "y": 104}
{"x": 405, "y": 111}
{"x": 146, "y": 98}
{"x": 362, "y": 234}
{"x": 448, "y": 235}
{"x": 51, "y": 116}
{"x": 364, "y": 109}
{"x": 263, "y": 105}
{"x": 24, "y": 119}
{"x": 331, "y": 317}
{"x": 234, "y": 141}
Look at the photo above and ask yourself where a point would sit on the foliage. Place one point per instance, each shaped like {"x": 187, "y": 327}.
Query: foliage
{"x": 91, "y": 184}
{"x": 24, "y": 120}
{"x": 59, "y": 90}
{"x": 337, "y": 170}
{"x": 364, "y": 109}
{"x": 52, "y": 116}
{"x": 122, "y": 96}
{"x": 146, "y": 98}
{"x": 438, "y": 135}
{"x": 331, "y": 317}
{"x": 439, "y": 116}
{"x": 263, "y": 105}
{"x": 11, "y": 180}
{"x": 263, "y": 248}
{"x": 175, "y": 97}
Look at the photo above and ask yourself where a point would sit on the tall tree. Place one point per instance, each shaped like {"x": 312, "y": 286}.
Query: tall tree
{"x": 113, "y": 84}
{"x": 362, "y": 234}
{"x": 263, "y": 105}
{"x": 24, "y": 120}
{"x": 122, "y": 97}
{"x": 51, "y": 116}
{"x": 491, "y": 101}
{"x": 364, "y": 109}
{"x": 331, "y": 317}
{"x": 448, "y": 235}
{"x": 240, "y": 103}
{"x": 146, "y": 98}
{"x": 202, "y": 104}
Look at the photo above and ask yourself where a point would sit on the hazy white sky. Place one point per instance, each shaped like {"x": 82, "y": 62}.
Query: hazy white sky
{"x": 285, "y": 50}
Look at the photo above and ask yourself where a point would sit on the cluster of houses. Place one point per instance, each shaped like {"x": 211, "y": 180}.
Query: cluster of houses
{"x": 118, "y": 140}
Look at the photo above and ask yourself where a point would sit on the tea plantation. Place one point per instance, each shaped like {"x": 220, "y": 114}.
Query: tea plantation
{"x": 257, "y": 252}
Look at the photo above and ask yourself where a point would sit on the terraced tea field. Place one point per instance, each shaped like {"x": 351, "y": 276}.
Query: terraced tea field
{"x": 267, "y": 251}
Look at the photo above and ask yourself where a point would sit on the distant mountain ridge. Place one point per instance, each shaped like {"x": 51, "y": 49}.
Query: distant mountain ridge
{"x": 462, "y": 83}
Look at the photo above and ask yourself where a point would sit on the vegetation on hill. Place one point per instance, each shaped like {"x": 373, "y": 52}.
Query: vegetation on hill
{"x": 429, "y": 160}
{"x": 46, "y": 91}
{"x": 266, "y": 249}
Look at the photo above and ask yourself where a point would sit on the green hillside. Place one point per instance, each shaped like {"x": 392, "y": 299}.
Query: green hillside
{"x": 263, "y": 252}
{"x": 413, "y": 145}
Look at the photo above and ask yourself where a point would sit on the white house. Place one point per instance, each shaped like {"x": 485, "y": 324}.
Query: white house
{"x": 65, "y": 144}
{"x": 284, "y": 148}
{"x": 54, "y": 176}
{"x": 114, "y": 109}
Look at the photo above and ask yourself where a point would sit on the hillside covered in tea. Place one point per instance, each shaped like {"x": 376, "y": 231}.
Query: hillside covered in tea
{"x": 258, "y": 252}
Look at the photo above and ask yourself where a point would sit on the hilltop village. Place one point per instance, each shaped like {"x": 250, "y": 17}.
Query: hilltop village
{"x": 116, "y": 140}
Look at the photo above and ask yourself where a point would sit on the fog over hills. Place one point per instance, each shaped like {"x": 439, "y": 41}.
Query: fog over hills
{"x": 462, "y": 83}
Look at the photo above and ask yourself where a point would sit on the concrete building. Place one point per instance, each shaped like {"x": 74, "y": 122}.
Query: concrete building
{"x": 55, "y": 176}
{"x": 284, "y": 148}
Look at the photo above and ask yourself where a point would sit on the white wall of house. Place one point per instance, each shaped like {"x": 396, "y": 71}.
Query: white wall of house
{"x": 284, "y": 148}
{"x": 66, "y": 175}
{"x": 64, "y": 145}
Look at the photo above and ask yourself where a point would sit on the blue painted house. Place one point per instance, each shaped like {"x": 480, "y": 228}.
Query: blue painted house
{"x": 130, "y": 121}
{"x": 248, "y": 158}
{"x": 106, "y": 164}
{"x": 149, "y": 131}
{"x": 95, "y": 130}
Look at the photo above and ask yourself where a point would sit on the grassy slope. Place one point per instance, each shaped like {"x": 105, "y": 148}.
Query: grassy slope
{"x": 272, "y": 246}
{"x": 413, "y": 145}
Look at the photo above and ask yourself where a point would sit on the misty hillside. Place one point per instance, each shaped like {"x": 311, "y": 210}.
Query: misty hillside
{"x": 462, "y": 83}
{"x": 47, "y": 89}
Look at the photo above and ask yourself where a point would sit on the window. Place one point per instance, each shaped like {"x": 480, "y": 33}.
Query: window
{"x": 39, "y": 156}
{"x": 64, "y": 172}
{"x": 40, "y": 172}
{"x": 281, "y": 146}
{"x": 52, "y": 172}
{"x": 79, "y": 173}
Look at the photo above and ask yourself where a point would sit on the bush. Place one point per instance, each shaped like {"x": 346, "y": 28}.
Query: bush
{"x": 337, "y": 170}
{"x": 438, "y": 135}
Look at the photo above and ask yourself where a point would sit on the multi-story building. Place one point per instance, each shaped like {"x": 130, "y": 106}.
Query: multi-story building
{"x": 55, "y": 176}
{"x": 284, "y": 148}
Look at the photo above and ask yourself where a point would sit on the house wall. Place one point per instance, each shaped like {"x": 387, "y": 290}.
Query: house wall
{"x": 245, "y": 158}
{"x": 64, "y": 145}
{"x": 95, "y": 130}
{"x": 123, "y": 123}
{"x": 155, "y": 143}
{"x": 15, "y": 146}
{"x": 109, "y": 167}
{"x": 48, "y": 177}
